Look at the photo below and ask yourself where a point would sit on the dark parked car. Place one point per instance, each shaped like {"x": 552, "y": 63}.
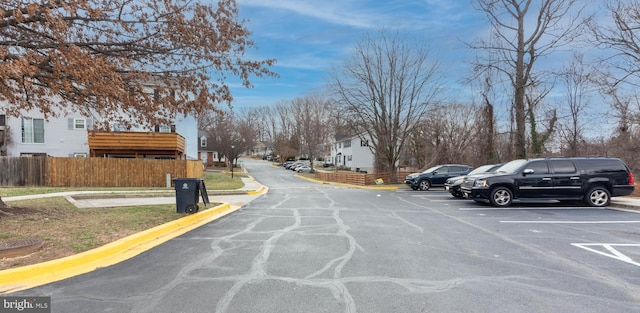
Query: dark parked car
{"x": 435, "y": 176}
{"x": 593, "y": 180}
{"x": 452, "y": 185}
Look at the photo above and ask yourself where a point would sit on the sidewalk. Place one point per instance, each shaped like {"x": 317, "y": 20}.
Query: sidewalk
{"x": 632, "y": 203}
{"x": 115, "y": 198}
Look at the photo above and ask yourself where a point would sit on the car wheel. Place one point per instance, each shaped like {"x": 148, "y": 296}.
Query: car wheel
{"x": 424, "y": 185}
{"x": 598, "y": 196}
{"x": 501, "y": 197}
{"x": 414, "y": 188}
{"x": 458, "y": 194}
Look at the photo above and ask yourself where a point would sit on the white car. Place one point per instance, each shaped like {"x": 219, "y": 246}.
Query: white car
{"x": 304, "y": 169}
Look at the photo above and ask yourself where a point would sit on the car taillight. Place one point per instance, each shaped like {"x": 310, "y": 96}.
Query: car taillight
{"x": 631, "y": 182}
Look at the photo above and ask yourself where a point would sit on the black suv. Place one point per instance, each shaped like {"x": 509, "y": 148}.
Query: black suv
{"x": 435, "y": 176}
{"x": 594, "y": 180}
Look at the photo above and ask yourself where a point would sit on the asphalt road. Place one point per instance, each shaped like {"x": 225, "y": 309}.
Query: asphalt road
{"x": 307, "y": 247}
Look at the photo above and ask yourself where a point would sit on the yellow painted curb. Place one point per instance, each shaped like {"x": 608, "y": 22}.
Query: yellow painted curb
{"x": 43, "y": 273}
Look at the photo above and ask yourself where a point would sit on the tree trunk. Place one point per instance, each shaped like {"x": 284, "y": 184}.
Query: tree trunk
{"x": 518, "y": 103}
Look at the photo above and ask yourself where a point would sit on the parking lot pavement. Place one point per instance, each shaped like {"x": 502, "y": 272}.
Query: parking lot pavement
{"x": 250, "y": 191}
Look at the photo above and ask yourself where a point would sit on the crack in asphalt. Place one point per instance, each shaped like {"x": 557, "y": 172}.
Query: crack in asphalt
{"x": 336, "y": 284}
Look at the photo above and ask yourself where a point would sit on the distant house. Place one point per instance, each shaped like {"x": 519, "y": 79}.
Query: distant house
{"x": 262, "y": 148}
{"x": 352, "y": 152}
{"x": 74, "y": 136}
{"x": 206, "y": 150}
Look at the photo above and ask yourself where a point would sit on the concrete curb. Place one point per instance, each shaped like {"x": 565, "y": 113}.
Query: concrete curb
{"x": 43, "y": 273}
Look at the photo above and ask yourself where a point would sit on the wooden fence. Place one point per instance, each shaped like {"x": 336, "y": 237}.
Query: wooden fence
{"x": 93, "y": 172}
{"x": 360, "y": 179}
{"x": 23, "y": 171}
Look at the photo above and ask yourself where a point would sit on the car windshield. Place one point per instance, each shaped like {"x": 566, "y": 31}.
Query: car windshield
{"x": 511, "y": 167}
{"x": 481, "y": 169}
{"x": 431, "y": 169}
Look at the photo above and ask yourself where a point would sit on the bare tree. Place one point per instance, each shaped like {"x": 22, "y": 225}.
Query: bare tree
{"x": 448, "y": 131}
{"x": 312, "y": 116}
{"x": 538, "y": 135}
{"x": 264, "y": 126}
{"x": 232, "y": 134}
{"x": 525, "y": 33}
{"x": 487, "y": 122}
{"x": 624, "y": 143}
{"x": 417, "y": 147}
{"x": 286, "y": 140}
{"x": 576, "y": 79}
{"x": 384, "y": 91}
{"x": 246, "y": 124}
{"x": 622, "y": 36}
{"x": 220, "y": 133}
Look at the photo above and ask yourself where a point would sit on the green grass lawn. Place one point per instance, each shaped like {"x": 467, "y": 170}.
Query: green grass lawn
{"x": 67, "y": 230}
{"x": 213, "y": 181}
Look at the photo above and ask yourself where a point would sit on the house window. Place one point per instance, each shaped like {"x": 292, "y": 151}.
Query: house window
{"x": 364, "y": 143}
{"x": 165, "y": 128}
{"x": 79, "y": 123}
{"x": 203, "y": 141}
{"x": 32, "y": 130}
{"x": 3, "y": 120}
{"x": 347, "y": 144}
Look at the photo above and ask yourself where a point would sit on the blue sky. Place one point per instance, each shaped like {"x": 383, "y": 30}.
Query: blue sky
{"x": 309, "y": 37}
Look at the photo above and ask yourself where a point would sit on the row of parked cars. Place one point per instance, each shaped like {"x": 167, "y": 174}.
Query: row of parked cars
{"x": 593, "y": 180}
{"x": 298, "y": 166}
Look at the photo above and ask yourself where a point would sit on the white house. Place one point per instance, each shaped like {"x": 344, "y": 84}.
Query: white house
{"x": 33, "y": 136}
{"x": 352, "y": 152}
{"x": 67, "y": 135}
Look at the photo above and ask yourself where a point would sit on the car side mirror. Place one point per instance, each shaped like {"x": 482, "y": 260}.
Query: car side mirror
{"x": 527, "y": 171}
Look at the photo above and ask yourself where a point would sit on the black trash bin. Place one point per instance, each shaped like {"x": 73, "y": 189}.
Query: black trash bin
{"x": 188, "y": 190}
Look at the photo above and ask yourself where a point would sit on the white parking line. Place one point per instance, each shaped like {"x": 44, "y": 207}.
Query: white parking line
{"x": 529, "y": 208}
{"x": 571, "y": 222}
{"x": 610, "y": 247}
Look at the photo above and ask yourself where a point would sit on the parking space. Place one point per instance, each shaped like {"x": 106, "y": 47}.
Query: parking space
{"x": 603, "y": 238}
